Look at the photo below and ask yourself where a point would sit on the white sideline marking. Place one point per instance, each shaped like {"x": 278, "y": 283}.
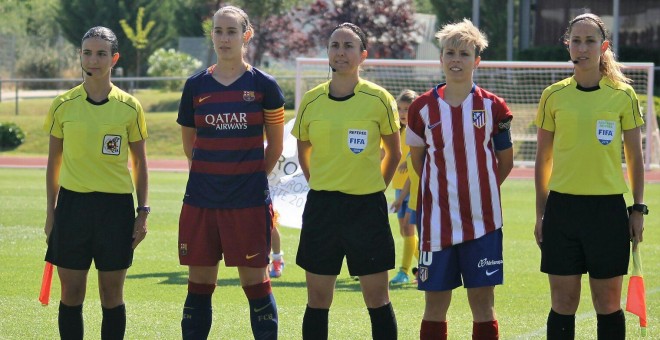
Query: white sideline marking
{"x": 583, "y": 316}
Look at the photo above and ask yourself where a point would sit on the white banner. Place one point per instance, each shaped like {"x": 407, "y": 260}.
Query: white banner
{"x": 288, "y": 187}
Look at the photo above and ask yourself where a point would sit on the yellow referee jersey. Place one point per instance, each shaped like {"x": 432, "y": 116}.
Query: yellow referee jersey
{"x": 96, "y": 137}
{"x": 345, "y": 134}
{"x": 587, "y": 126}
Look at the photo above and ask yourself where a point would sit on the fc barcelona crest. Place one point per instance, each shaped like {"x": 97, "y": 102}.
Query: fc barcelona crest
{"x": 479, "y": 118}
{"x": 248, "y": 96}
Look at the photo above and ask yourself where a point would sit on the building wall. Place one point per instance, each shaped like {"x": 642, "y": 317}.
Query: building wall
{"x": 639, "y": 21}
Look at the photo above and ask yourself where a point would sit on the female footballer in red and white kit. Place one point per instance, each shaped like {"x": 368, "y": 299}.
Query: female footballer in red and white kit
{"x": 461, "y": 147}
{"x": 227, "y": 212}
{"x": 582, "y": 224}
{"x": 90, "y": 213}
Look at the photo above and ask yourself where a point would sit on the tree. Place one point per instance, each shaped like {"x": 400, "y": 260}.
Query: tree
{"x": 272, "y": 24}
{"x": 75, "y": 17}
{"x": 286, "y": 28}
{"x": 268, "y": 17}
{"x": 29, "y": 40}
{"x": 138, "y": 36}
{"x": 389, "y": 25}
{"x": 492, "y": 21}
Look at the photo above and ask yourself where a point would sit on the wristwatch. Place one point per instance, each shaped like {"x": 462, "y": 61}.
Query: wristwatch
{"x": 639, "y": 207}
{"x": 145, "y": 208}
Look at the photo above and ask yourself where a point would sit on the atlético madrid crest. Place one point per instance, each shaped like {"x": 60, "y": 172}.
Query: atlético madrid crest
{"x": 479, "y": 118}
{"x": 423, "y": 273}
{"x": 248, "y": 96}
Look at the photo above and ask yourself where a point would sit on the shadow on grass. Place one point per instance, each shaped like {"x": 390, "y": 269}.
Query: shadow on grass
{"x": 179, "y": 278}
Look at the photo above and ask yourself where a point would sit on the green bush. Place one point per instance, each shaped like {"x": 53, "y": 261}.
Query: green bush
{"x": 38, "y": 63}
{"x": 11, "y": 136}
{"x": 170, "y": 63}
{"x": 288, "y": 86}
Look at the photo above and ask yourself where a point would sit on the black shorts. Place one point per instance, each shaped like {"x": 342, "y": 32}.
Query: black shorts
{"x": 335, "y": 225}
{"x": 585, "y": 233}
{"x": 88, "y": 226}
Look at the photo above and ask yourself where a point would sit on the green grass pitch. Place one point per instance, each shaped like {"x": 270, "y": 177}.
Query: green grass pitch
{"x": 156, "y": 284}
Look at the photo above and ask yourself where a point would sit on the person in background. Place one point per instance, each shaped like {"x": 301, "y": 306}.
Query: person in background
{"x": 90, "y": 213}
{"x": 400, "y": 183}
{"x": 227, "y": 210}
{"x": 460, "y": 145}
{"x": 339, "y": 127}
{"x": 582, "y": 225}
{"x": 276, "y": 266}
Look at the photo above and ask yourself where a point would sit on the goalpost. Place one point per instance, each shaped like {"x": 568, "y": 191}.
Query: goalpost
{"x": 520, "y": 83}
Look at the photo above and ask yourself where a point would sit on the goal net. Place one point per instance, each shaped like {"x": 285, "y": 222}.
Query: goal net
{"x": 519, "y": 83}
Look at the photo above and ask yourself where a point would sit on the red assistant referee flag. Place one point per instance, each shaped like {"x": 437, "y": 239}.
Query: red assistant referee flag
{"x": 636, "y": 302}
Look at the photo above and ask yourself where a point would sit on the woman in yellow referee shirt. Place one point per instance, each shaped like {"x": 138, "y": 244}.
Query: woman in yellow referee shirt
{"x": 90, "y": 211}
{"x": 339, "y": 127}
{"x": 582, "y": 224}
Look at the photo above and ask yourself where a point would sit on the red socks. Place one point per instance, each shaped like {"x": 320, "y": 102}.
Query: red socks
{"x": 433, "y": 330}
{"x": 437, "y": 330}
{"x": 488, "y": 330}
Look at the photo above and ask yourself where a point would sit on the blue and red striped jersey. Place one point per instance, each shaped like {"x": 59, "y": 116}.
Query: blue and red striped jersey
{"x": 227, "y": 169}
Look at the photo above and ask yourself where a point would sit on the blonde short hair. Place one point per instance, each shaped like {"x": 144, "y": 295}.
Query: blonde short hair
{"x": 460, "y": 34}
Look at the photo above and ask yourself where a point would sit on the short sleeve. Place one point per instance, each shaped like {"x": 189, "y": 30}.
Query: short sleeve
{"x": 138, "y": 129}
{"x": 52, "y": 124}
{"x": 300, "y": 128}
{"x": 502, "y": 115}
{"x": 186, "y": 115}
{"x": 633, "y": 118}
{"x": 274, "y": 98}
{"x": 389, "y": 122}
{"x": 544, "y": 116}
{"x": 416, "y": 126}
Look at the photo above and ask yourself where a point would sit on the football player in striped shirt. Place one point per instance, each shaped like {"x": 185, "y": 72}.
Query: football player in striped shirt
{"x": 461, "y": 147}
{"x": 227, "y": 211}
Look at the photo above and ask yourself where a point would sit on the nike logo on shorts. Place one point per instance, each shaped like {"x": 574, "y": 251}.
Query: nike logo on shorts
{"x": 491, "y": 273}
{"x": 249, "y": 257}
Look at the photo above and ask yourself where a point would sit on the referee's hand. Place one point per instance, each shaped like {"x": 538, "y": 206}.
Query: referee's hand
{"x": 538, "y": 231}
{"x": 636, "y": 227}
{"x": 139, "y": 229}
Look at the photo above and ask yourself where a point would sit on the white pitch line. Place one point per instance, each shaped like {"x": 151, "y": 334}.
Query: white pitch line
{"x": 580, "y": 317}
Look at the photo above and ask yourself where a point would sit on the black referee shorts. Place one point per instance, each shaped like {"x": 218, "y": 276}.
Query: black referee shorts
{"x": 585, "y": 233}
{"x": 88, "y": 226}
{"x": 335, "y": 225}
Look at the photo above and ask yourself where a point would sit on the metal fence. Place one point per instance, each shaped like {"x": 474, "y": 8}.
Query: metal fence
{"x": 60, "y": 85}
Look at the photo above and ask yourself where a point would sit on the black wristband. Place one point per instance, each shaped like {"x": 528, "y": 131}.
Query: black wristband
{"x": 639, "y": 207}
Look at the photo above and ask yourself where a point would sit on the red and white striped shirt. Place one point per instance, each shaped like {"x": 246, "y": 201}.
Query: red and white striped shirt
{"x": 459, "y": 194}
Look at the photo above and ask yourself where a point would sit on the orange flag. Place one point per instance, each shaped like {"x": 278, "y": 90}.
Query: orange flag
{"x": 636, "y": 302}
{"x": 46, "y": 280}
